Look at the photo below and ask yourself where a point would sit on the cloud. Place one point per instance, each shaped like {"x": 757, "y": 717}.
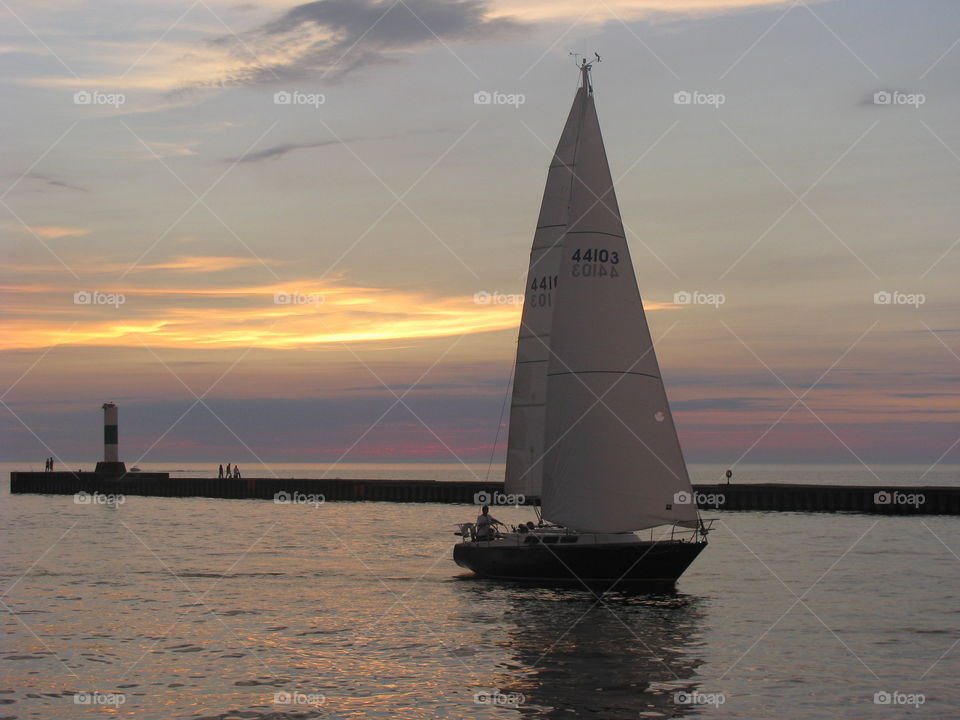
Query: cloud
{"x": 54, "y": 232}
{"x": 55, "y": 182}
{"x": 224, "y": 312}
{"x": 629, "y": 10}
{"x": 419, "y": 386}
{"x": 161, "y": 149}
{"x": 331, "y": 38}
{"x": 205, "y": 264}
{"x": 272, "y": 153}
{"x": 924, "y": 395}
{"x": 276, "y": 151}
{"x": 102, "y": 268}
{"x": 730, "y": 403}
{"x": 336, "y": 37}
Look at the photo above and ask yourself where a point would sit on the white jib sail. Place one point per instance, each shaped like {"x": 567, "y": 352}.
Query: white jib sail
{"x": 525, "y": 443}
{"x": 612, "y": 461}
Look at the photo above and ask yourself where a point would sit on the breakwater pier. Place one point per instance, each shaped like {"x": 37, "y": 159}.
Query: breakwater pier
{"x": 770, "y": 497}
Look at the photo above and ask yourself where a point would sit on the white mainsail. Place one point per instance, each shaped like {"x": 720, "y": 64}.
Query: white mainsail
{"x": 612, "y": 460}
{"x": 525, "y": 441}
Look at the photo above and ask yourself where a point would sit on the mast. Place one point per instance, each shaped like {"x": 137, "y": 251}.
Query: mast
{"x": 585, "y": 75}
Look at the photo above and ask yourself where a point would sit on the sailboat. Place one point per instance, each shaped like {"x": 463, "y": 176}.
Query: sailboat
{"x": 591, "y": 433}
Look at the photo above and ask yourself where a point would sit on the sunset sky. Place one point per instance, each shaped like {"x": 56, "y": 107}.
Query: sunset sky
{"x": 333, "y": 277}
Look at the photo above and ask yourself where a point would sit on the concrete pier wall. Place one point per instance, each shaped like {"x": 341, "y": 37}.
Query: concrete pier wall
{"x": 886, "y": 500}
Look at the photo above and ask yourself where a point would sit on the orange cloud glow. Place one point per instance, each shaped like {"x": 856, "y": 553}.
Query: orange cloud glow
{"x": 276, "y": 315}
{"x": 287, "y": 315}
{"x": 53, "y": 232}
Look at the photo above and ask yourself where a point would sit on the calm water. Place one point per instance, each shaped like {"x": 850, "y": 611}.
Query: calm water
{"x": 209, "y": 608}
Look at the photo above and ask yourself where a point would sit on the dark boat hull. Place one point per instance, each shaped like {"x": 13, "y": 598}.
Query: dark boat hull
{"x": 620, "y": 563}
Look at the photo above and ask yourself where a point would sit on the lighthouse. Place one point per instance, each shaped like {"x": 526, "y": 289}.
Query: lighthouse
{"x": 111, "y": 456}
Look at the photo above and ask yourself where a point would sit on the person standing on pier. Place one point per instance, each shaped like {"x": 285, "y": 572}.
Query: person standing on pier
{"x": 236, "y": 471}
{"x": 221, "y": 471}
{"x": 229, "y": 474}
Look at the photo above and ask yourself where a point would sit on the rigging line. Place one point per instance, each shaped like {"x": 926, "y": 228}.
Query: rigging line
{"x": 595, "y": 232}
{"x": 603, "y": 372}
{"x": 503, "y": 407}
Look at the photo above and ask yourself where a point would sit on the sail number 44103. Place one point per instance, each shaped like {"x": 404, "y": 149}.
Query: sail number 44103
{"x": 595, "y": 262}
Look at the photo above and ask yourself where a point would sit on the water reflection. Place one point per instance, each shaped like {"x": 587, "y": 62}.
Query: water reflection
{"x": 625, "y": 657}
